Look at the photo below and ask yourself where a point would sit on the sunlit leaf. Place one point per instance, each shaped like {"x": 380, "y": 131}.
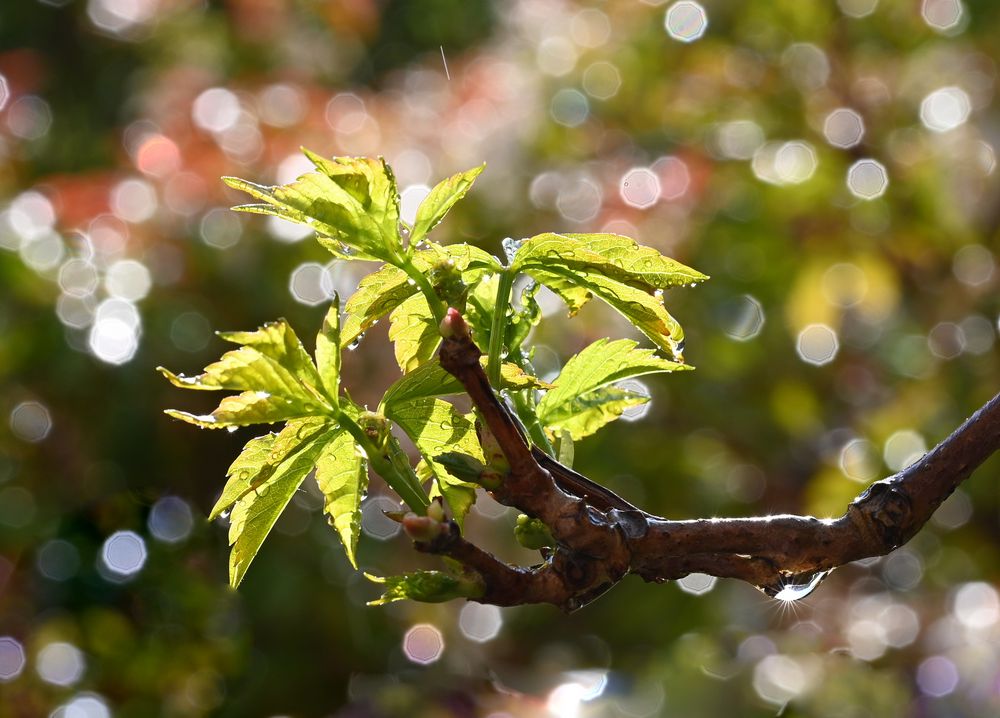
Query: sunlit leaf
{"x": 352, "y": 200}
{"x": 277, "y": 341}
{"x": 435, "y": 427}
{"x": 254, "y": 514}
{"x": 342, "y": 476}
{"x": 246, "y": 408}
{"x": 582, "y": 400}
{"x": 612, "y": 255}
{"x": 585, "y": 414}
{"x": 441, "y": 199}
{"x": 414, "y": 333}
{"x": 260, "y": 457}
{"x": 328, "y": 352}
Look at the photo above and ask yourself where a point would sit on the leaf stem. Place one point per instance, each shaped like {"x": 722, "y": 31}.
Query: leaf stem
{"x": 398, "y": 474}
{"x": 437, "y": 306}
{"x": 529, "y": 416}
{"x": 498, "y": 330}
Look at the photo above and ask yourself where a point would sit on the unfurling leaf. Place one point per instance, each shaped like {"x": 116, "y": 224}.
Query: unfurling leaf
{"x": 430, "y": 380}
{"x": 427, "y": 586}
{"x": 342, "y": 476}
{"x": 352, "y": 200}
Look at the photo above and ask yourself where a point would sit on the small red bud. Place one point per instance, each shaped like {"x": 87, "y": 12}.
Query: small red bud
{"x": 453, "y": 325}
{"x": 421, "y": 528}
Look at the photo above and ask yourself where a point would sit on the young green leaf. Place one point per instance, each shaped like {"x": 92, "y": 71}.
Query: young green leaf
{"x": 277, "y": 379}
{"x": 435, "y": 427}
{"x": 441, "y": 199}
{"x": 582, "y": 400}
{"x": 645, "y": 311}
{"x": 260, "y": 457}
{"x": 613, "y": 255}
{"x": 277, "y": 341}
{"x": 328, "y": 353}
{"x": 427, "y": 586}
{"x": 585, "y": 414}
{"x": 414, "y": 333}
{"x": 377, "y": 294}
{"x": 249, "y": 407}
{"x": 342, "y": 476}
{"x": 254, "y": 514}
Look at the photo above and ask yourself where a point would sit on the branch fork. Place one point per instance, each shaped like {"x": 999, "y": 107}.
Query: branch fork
{"x": 600, "y": 538}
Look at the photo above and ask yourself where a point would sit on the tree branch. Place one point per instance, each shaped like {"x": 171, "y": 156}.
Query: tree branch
{"x": 601, "y": 537}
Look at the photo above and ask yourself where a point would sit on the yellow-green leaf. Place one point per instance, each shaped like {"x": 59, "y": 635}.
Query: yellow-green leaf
{"x": 254, "y": 514}
{"x": 259, "y": 458}
{"x": 441, "y": 199}
{"x": 435, "y": 428}
{"x": 414, "y": 333}
{"x": 328, "y": 352}
{"x": 342, "y": 476}
{"x": 582, "y": 401}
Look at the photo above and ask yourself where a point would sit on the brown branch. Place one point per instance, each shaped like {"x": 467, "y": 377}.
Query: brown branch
{"x": 601, "y": 537}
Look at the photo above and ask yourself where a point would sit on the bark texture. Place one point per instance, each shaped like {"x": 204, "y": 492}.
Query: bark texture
{"x": 600, "y": 537}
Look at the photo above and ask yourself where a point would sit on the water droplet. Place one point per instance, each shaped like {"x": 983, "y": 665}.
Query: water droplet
{"x": 263, "y": 489}
{"x": 232, "y": 429}
{"x": 225, "y": 514}
{"x": 800, "y": 589}
{"x": 510, "y": 247}
{"x": 356, "y": 343}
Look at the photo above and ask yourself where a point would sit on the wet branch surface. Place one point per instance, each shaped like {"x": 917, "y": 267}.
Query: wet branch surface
{"x": 600, "y": 537}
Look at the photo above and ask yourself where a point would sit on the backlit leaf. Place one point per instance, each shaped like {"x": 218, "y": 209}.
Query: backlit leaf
{"x": 342, "y": 476}
{"x": 328, "y": 352}
{"x": 414, "y": 333}
{"x": 427, "y": 586}
{"x": 254, "y": 514}
{"x": 441, "y": 199}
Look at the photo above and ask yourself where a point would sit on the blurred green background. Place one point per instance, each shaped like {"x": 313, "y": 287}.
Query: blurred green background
{"x": 831, "y": 165}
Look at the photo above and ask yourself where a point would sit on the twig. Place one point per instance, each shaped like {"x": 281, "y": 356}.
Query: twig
{"x": 601, "y": 537}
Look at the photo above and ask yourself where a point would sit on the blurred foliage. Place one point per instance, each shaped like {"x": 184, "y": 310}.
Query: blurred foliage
{"x": 838, "y": 336}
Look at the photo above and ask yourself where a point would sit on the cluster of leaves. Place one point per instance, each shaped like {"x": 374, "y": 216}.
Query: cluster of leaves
{"x": 353, "y": 205}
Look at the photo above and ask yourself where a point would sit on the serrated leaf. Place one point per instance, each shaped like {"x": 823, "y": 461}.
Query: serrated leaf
{"x": 328, "y": 353}
{"x": 342, "y": 476}
{"x": 430, "y": 380}
{"x": 352, "y": 200}
{"x": 414, "y": 333}
{"x": 585, "y": 414}
{"x": 388, "y": 287}
{"x": 427, "y": 587}
{"x": 259, "y": 458}
{"x": 246, "y": 408}
{"x": 441, "y": 199}
{"x": 435, "y": 427}
{"x": 377, "y": 294}
{"x": 277, "y": 379}
{"x": 254, "y": 514}
{"x": 277, "y": 341}
{"x": 582, "y": 400}
{"x": 612, "y": 255}
{"x": 645, "y": 311}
